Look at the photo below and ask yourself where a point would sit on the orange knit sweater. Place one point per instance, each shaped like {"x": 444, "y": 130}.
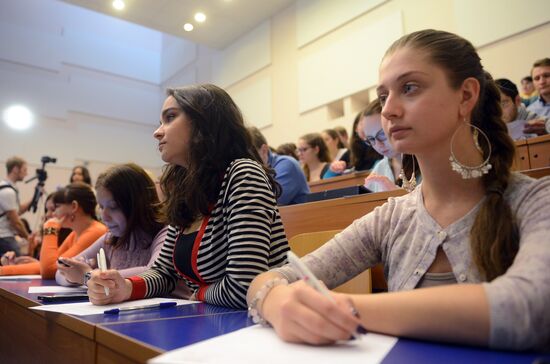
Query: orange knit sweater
{"x": 50, "y": 252}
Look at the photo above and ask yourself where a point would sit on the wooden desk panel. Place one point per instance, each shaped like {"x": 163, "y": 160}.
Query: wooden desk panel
{"x": 347, "y": 180}
{"x": 31, "y": 337}
{"x": 521, "y": 158}
{"x": 539, "y": 151}
{"x": 331, "y": 214}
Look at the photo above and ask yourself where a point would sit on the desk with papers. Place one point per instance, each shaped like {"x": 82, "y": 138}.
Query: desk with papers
{"x": 48, "y": 337}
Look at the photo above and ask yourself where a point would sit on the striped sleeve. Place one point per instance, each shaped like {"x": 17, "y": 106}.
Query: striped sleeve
{"x": 161, "y": 278}
{"x": 249, "y": 214}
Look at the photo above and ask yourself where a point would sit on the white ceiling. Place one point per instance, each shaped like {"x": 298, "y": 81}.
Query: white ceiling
{"x": 226, "y": 21}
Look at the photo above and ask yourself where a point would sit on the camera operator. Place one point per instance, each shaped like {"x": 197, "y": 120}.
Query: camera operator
{"x": 10, "y": 206}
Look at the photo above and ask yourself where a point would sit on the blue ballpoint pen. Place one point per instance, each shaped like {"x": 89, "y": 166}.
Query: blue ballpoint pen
{"x": 116, "y": 311}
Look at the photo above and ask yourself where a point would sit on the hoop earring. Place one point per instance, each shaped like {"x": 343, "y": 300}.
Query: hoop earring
{"x": 408, "y": 184}
{"x": 468, "y": 172}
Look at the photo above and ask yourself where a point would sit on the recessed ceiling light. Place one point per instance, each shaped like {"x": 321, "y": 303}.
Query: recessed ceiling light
{"x": 188, "y": 27}
{"x": 18, "y": 117}
{"x": 118, "y": 4}
{"x": 200, "y": 17}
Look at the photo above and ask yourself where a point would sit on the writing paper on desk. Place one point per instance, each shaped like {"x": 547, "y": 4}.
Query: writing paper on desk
{"x": 21, "y": 277}
{"x": 56, "y": 289}
{"x": 258, "y": 344}
{"x": 87, "y": 308}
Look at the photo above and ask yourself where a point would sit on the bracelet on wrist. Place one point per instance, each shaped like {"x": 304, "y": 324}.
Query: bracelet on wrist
{"x": 254, "y": 308}
{"x": 50, "y": 231}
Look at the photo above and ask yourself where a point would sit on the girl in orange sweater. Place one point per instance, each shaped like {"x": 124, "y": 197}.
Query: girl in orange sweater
{"x": 74, "y": 209}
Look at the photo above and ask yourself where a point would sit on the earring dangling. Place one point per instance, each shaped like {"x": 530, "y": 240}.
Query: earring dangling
{"x": 468, "y": 172}
{"x": 408, "y": 184}
{"x": 72, "y": 217}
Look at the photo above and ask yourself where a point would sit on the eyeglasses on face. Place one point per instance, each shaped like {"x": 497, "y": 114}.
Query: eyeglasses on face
{"x": 380, "y": 136}
{"x": 302, "y": 150}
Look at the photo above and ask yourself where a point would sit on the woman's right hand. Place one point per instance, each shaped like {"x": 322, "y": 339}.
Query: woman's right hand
{"x": 8, "y": 258}
{"x": 300, "y": 314}
{"x": 120, "y": 289}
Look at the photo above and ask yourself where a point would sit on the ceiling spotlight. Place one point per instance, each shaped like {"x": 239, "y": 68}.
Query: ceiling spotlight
{"x": 200, "y": 17}
{"x": 118, "y": 4}
{"x": 188, "y": 27}
{"x": 18, "y": 117}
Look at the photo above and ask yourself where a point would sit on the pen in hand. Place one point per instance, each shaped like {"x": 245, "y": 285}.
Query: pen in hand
{"x": 309, "y": 278}
{"x": 102, "y": 264}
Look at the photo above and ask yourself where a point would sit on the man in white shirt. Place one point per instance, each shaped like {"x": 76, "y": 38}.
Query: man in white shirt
{"x": 10, "y": 207}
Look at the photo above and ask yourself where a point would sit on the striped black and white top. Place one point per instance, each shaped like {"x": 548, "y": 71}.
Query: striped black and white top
{"x": 242, "y": 237}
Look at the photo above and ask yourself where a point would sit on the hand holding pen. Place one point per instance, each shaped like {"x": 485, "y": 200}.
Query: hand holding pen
{"x": 120, "y": 289}
{"x": 314, "y": 316}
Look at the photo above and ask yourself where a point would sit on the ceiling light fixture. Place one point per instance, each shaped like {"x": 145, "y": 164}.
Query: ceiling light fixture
{"x": 200, "y": 17}
{"x": 18, "y": 117}
{"x": 118, "y": 4}
{"x": 188, "y": 27}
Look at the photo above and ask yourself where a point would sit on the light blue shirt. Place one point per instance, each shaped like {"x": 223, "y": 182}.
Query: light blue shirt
{"x": 540, "y": 107}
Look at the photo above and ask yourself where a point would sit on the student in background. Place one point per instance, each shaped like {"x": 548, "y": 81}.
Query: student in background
{"x": 11, "y": 207}
{"x": 220, "y": 204}
{"x": 314, "y": 156}
{"x": 541, "y": 105}
{"x": 74, "y": 209}
{"x": 472, "y": 221}
{"x": 336, "y": 148}
{"x": 342, "y": 135}
{"x": 288, "y": 173}
{"x": 35, "y": 239}
{"x": 130, "y": 208}
{"x": 363, "y": 156}
{"x": 80, "y": 174}
{"x": 287, "y": 149}
{"x": 390, "y": 172}
{"x": 514, "y": 114}
{"x": 528, "y": 92}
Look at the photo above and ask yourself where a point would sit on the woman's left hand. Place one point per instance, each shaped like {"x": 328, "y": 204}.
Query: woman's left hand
{"x": 384, "y": 183}
{"x": 75, "y": 271}
{"x": 338, "y": 167}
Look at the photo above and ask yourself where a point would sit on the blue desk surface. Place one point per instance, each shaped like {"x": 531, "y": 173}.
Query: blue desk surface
{"x": 179, "y": 326}
{"x": 170, "y": 334}
{"x": 21, "y": 288}
{"x": 174, "y": 333}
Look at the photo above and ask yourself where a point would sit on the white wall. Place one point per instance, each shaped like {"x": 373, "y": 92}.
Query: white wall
{"x": 96, "y": 83}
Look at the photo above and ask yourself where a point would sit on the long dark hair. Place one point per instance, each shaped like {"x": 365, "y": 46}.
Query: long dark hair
{"x": 218, "y": 137}
{"x": 135, "y": 194}
{"x": 494, "y": 236}
{"x": 85, "y": 174}
{"x": 79, "y": 192}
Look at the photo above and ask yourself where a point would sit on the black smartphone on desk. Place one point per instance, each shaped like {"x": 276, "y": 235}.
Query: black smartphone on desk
{"x": 63, "y": 297}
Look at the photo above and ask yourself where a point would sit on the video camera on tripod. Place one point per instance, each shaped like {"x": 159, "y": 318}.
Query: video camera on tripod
{"x": 42, "y": 176}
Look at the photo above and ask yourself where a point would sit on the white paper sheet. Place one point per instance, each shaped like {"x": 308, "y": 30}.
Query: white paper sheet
{"x": 56, "y": 289}
{"x": 21, "y": 277}
{"x": 87, "y": 308}
{"x": 258, "y": 344}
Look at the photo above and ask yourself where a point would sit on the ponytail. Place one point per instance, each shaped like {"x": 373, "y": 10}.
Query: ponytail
{"x": 494, "y": 236}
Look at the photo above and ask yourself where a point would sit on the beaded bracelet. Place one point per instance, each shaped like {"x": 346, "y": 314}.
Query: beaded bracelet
{"x": 50, "y": 231}
{"x": 254, "y": 307}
